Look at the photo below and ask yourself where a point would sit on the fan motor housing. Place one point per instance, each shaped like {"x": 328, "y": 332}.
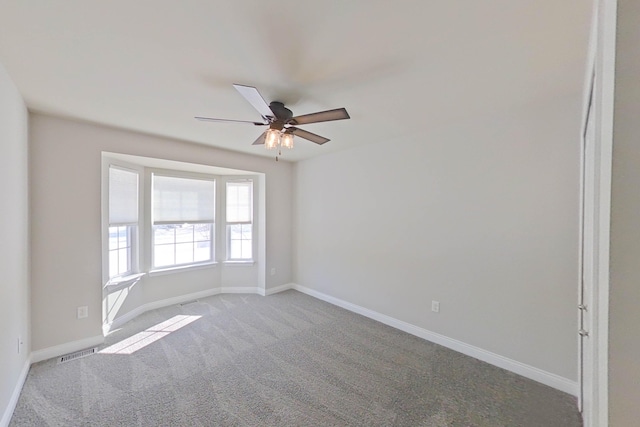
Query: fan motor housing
{"x": 281, "y": 112}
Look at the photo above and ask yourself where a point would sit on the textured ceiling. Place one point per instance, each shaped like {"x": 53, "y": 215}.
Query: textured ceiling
{"x": 397, "y": 66}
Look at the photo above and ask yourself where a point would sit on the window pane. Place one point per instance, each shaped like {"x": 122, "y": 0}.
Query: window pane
{"x": 202, "y": 232}
{"x": 246, "y": 232}
{"x": 163, "y": 255}
{"x": 179, "y": 244}
{"x": 246, "y": 249}
{"x": 163, "y": 234}
{"x": 123, "y": 261}
{"x": 184, "y": 253}
{"x": 123, "y": 237}
{"x": 240, "y": 241}
{"x": 202, "y": 252}
{"x": 235, "y": 249}
{"x": 236, "y": 231}
{"x": 113, "y": 263}
{"x": 184, "y": 233}
{"x": 121, "y": 249}
{"x": 113, "y": 238}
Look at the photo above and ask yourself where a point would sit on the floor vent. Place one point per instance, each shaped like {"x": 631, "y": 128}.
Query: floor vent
{"x": 77, "y": 355}
{"x": 189, "y": 302}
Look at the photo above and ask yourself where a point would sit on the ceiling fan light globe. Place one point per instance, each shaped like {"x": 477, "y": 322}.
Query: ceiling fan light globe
{"x": 287, "y": 140}
{"x": 272, "y": 139}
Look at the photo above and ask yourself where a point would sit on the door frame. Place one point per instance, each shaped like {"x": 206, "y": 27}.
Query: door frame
{"x": 599, "y": 93}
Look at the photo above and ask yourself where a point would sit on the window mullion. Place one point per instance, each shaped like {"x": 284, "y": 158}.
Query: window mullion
{"x": 175, "y": 246}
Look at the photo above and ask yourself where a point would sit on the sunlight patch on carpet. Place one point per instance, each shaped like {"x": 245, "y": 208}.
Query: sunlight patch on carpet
{"x": 149, "y": 336}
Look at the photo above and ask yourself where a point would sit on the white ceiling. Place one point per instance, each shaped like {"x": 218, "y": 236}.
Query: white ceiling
{"x": 397, "y": 66}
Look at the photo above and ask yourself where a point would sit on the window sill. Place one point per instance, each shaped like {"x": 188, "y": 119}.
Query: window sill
{"x": 122, "y": 282}
{"x": 181, "y": 268}
{"x": 239, "y": 263}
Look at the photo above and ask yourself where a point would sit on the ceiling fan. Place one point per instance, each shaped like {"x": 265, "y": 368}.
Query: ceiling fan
{"x": 282, "y": 124}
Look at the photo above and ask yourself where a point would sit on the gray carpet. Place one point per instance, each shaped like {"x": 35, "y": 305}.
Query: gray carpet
{"x": 282, "y": 360}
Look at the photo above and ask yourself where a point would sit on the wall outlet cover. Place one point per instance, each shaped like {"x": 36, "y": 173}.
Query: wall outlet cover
{"x": 435, "y": 306}
{"x": 83, "y": 312}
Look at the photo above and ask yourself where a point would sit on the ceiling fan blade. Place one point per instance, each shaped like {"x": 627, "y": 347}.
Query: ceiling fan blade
{"x": 252, "y": 95}
{"x": 322, "y": 116}
{"x": 260, "y": 139}
{"x": 211, "y": 119}
{"x": 309, "y": 136}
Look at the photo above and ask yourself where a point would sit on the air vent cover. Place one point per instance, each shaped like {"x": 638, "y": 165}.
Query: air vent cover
{"x": 77, "y": 355}
{"x": 189, "y": 302}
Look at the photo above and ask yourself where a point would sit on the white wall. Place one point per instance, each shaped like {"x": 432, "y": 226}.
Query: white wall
{"x": 624, "y": 290}
{"x": 14, "y": 249}
{"x": 66, "y": 217}
{"x": 481, "y": 216}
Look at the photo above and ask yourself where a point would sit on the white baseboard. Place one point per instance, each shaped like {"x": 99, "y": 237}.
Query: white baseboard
{"x": 8, "y": 412}
{"x": 533, "y": 373}
{"x": 70, "y": 347}
{"x": 119, "y": 321}
{"x": 277, "y": 289}
{"x": 241, "y": 290}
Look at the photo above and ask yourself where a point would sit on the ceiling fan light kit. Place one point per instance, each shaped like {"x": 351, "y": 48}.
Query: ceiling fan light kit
{"x": 272, "y": 139}
{"x": 282, "y": 124}
{"x": 286, "y": 140}
{"x": 275, "y": 138}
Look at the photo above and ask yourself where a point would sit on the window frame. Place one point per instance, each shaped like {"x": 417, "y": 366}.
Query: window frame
{"x": 133, "y": 234}
{"x": 150, "y": 243}
{"x": 226, "y": 223}
{"x": 176, "y": 242}
{"x": 129, "y": 231}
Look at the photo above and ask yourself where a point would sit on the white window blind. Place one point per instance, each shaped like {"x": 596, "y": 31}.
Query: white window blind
{"x": 123, "y": 196}
{"x": 177, "y": 200}
{"x": 239, "y": 201}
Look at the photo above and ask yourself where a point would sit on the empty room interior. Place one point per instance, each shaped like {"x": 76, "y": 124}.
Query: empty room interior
{"x": 331, "y": 213}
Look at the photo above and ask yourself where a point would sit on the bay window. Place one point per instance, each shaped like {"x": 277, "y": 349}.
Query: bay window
{"x": 160, "y": 220}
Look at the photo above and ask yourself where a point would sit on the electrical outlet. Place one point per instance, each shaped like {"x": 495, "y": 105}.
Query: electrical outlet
{"x": 273, "y": 271}
{"x": 435, "y": 306}
{"x": 83, "y": 312}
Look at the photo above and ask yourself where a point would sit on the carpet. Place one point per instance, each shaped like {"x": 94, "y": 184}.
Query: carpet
{"x": 283, "y": 360}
